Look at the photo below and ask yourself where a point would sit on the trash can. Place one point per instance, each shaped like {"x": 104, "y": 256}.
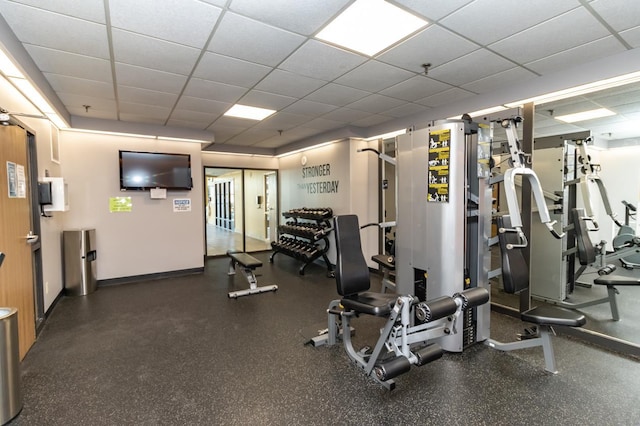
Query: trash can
{"x": 79, "y": 253}
{"x": 10, "y": 389}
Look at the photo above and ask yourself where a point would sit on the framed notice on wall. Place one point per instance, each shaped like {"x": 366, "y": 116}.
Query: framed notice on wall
{"x": 55, "y": 145}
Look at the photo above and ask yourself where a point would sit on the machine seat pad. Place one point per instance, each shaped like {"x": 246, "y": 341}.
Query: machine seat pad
{"x": 553, "y": 315}
{"x": 383, "y": 260}
{"x": 610, "y": 280}
{"x": 370, "y": 303}
{"x": 244, "y": 259}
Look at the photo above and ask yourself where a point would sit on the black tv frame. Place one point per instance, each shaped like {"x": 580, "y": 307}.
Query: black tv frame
{"x": 156, "y": 157}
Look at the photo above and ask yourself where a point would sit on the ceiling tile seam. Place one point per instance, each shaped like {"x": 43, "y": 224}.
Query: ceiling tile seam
{"x": 605, "y": 24}
{"x": 112, "y": 62}
{"x": 203, "y": 51}
{"x": 487, "y": 48}
{"x": 56, "y": 12}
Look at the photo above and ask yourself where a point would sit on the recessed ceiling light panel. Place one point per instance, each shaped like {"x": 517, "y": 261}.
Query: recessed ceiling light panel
{"x": 370, "y": 26}
{"x": 249, "y": 112}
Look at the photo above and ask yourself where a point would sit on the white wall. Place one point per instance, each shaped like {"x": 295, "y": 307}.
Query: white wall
{"x": 357, "y": 188}
{"x": 150, "y": 239}
{"x": 216, "y": 159}
{"x": 621, "y": 176}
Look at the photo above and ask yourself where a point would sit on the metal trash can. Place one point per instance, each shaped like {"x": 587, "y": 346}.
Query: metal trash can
{"x": 10, "y": 388}
{"x": 79, "y": 252}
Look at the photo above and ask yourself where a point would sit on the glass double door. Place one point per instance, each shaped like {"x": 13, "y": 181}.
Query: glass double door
{"x": 241, "y": 209}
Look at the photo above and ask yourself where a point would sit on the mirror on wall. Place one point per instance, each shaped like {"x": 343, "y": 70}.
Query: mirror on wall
{"x": 612, "y": 158}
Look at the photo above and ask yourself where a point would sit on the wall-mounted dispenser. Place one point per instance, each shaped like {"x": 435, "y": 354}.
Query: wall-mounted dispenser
{"x": 59, "y": 195}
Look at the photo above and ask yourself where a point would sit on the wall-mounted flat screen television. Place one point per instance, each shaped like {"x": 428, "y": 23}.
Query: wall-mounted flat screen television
{"x": 147, "y": 170}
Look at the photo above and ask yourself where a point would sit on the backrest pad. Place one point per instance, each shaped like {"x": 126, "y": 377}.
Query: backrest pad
{"x": 586, "y": 252}
{"x": 352, "y": 272}
{"x": 515, "y": 272}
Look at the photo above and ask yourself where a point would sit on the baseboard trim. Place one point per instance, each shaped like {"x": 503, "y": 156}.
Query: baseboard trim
{"x": 149, "y": 277}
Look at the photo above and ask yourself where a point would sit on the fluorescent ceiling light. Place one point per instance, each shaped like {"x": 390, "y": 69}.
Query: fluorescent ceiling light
{"x": 387, "y": 135}
{"x": 580, "y": 90}
{"x": 297, "y": 151}
{"x": 585, "y": 115}
{"x": 480, "y": 112}
{"x": 252, "y": 113}
{"x": 8, "y": 68}
{"x": 370, "y": 26}
{"x": 32, "y": 94}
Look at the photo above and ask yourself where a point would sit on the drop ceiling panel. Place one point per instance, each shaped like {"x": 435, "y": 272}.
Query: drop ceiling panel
{"x": 287, "y": 137}
{"x": 160, "y": 55}
{"x": 70, "y": 64}
{"x": 374, "y": 76}
{"x": 375, "y": 104}
{"x": 223, "y": 133}
{"x": 499, "y": 80}
{"x": 448, "y": 96}
{"x": 224, "y": 69}
{"x": 211, "y": 90}
{"x": 283, "y": 121}
{"x": 234, "y": 122}
{"x": 620, "y": 14}
{"x": 91, "y": 10}
{"x": 632, "y": 37}
{"x": 345, "y": 115}
{"x": 323, "y": 124}
{"x": 147, "y": 97}
{"x": 253, "y": 41}
{"x": 212, "y": 108}
{"x": 415, "y": 88}
{"x": 303, "y": 17}
{"x": 406, "y": 110}
{"x": 586, "y": 52}
{"x": 79, "y": 111}
{"x": 474, "y": 66}
{"x": 201, "y": 118}
{"x": 29, "y": 24}
{"x": 371, "y": 120}
{"x": 145, "y": 78}
{"x": 468, "y": 20}
{"x": 73, "y": 100}
{"x": 335, "y": 94}
{"x": 309, "y": 108}
{"x": 260, "y": 99}
{"x": 433, "y": 9}
{"x": 318, "y": 60}
{"x": 286, "y": 83}
{"x": 187, "y": 22}
{"x": 434, "y": 45}
{"x": 561, "y": 33}
{"x": 250, "y": 137}
{"x": 156, "y": 112}
{"x": 80, "y": 86}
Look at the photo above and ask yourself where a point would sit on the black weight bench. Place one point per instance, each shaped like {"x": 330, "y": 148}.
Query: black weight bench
{"x": 515, "y": 278}
{"x": 587, "y": 256}
{"x": 249, "y": 265}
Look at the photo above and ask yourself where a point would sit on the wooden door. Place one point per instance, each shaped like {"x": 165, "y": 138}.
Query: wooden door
{"x": 16, "y": 272}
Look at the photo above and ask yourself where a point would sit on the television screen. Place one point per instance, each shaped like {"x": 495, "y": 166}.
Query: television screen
{"x": 146, "y": 170}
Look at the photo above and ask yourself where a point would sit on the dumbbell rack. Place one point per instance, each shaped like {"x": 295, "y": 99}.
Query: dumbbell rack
{"x": 304, "y": 236}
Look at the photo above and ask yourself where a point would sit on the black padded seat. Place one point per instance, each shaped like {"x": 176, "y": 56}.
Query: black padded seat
{"x": 610, "y": 280}
{"x": 370, "y": 303}
{"x": 553, "y": 315}
{"x": 244, "y": 259}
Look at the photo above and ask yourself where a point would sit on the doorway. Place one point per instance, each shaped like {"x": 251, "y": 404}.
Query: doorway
{"x": 240, "y": 209}
{"x": 19, "y": 240}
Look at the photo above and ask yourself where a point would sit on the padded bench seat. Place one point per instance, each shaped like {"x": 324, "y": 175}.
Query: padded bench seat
{"x": 244, "y": 259}
{"x": 553, "y": 315}
{"x": 370, "y": 303}
{"x": 616, "y": 280}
